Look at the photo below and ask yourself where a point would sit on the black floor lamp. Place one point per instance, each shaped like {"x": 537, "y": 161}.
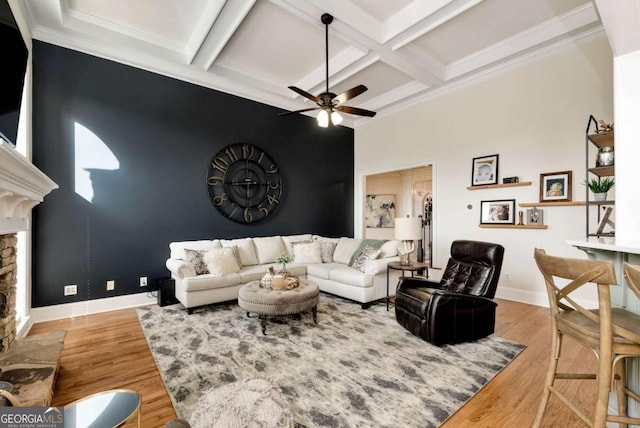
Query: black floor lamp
{"x": 426, "y": 231}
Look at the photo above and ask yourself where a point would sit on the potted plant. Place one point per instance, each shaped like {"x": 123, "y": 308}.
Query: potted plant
{"x": 600, "y": 187}
{"x": 283, "y": 259}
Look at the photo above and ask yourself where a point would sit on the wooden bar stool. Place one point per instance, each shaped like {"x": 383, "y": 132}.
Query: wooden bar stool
{"x": 613, "y": 334}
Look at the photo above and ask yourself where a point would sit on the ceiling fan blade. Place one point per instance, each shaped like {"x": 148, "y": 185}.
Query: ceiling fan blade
{"x": 297, "y": 111}
{"x": 356, "y": 110}
{"x": 351, "y": 93}
{"x": 305, "y": 94}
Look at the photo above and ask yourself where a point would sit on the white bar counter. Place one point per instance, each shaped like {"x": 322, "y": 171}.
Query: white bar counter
{"x": 618, "y": 251}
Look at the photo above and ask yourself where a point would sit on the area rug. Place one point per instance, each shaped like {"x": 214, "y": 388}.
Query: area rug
{"x": 355, "y": 368}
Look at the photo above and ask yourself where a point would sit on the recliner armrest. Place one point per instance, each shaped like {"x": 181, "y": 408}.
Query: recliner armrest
{"x": 451, "y": 295}
{"x": 417, "y": 282}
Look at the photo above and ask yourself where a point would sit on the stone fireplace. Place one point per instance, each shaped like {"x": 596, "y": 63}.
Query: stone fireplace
{"x": 8, "y": 271}
{"x": 29, "y": 364}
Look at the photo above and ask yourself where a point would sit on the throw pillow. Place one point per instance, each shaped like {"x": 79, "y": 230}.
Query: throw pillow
{"x": 221, "y": 261}
{"x": 368, "y": 253}
{"x": 326, "y": 251}
{"x": 236, "y": 254}
{"x": 307, "y": 253}
{"x": 268, "y": 248}
{"x": 196, "y": 258}
{"x": 345, "y": 250}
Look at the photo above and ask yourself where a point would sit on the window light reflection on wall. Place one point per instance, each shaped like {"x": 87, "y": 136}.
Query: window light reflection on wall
{"x": 90, "y": 153}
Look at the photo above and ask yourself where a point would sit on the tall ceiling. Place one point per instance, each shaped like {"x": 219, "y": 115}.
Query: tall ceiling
{"x": 404, "y": 51}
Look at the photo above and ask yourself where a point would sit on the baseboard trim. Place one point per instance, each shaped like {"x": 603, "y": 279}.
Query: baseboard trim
{"x": 538, "y": 299}
{"x": 88, "y": 307}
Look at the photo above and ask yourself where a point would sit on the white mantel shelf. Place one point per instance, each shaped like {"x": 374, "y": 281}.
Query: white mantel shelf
{"x": 608, "y": 244}
{"x": 22, "y": 187}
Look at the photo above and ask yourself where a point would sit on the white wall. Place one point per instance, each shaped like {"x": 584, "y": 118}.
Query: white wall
{"x": 535, "y": 118}
{"x": 627, "y": 149}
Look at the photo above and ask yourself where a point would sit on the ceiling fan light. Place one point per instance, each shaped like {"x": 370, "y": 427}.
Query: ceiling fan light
{"x": 336, "y": 118}
{"x": 323, "y": 119}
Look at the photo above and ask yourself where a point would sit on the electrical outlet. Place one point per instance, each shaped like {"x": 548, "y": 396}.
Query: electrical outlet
{"x": 70, "y": 290}
{"x": 111, "y": 285}
{"x": 506, "y": 276}
{"x": 143, "y": 281}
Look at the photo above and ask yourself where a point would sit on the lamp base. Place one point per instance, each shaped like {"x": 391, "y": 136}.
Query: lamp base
{"x": 404, "y": 259}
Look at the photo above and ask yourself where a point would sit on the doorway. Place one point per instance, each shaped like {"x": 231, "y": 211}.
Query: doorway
{"x": 400, "y": 193}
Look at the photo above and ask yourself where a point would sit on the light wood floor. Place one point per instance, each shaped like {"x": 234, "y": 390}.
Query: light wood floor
{"x": 108, "y": 351}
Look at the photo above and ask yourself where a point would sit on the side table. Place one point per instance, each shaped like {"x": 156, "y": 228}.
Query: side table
{"x": 413, "y": 267}
{"x": 104, "y": 409}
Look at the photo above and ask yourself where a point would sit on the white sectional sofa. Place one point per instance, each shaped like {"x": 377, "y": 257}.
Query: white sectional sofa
{"x": 212, "y": 271}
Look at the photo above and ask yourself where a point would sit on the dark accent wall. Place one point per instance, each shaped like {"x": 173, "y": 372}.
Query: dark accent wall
{"x": 163, "y": 133}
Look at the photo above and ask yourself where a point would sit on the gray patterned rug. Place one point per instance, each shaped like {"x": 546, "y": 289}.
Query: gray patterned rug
{"x": 355, "y": 368}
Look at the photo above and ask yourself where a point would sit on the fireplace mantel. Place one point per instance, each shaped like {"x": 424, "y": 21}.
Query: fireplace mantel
{"x": 22, "y": 187}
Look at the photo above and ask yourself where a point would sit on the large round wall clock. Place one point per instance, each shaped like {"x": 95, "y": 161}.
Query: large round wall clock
{"x": 244, "y": 183}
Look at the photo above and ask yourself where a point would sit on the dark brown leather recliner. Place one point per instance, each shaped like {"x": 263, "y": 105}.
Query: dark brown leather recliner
{"x": 460, "y": 308}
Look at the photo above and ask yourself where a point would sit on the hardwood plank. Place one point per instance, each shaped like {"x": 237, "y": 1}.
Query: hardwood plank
{"x": 108, "y": 351}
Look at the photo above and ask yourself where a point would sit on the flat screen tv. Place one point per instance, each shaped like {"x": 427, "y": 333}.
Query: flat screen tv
{"x": 14, "y": 66}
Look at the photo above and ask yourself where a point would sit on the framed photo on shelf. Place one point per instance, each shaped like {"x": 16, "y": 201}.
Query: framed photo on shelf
{"x": 534, "y": 217}
{"x": 484, "y": 170}
{"x": 555, "y": 186}
{"x": 500, "y": 211}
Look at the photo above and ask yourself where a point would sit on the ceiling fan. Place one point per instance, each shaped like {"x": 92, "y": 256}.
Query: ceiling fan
{"x": 329, "y": 103}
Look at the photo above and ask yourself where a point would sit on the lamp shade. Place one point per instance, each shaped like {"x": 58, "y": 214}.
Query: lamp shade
{"x": 408, "y": 229}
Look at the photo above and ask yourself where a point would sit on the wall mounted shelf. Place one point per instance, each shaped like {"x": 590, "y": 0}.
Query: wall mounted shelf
{"x": 513, "y": 226}
{"x": 494, "y": 186}
{"x": 551, "y": 204}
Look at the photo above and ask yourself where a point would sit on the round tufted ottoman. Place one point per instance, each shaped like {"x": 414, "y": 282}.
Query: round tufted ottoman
{"x": 265, "y": 301}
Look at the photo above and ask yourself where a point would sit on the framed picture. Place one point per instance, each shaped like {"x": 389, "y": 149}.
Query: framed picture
{"x": 498, "y": 212}
{"x": 380, "y": 211}
{"x": 555, "y": 186}
{"x": 484, "y": 170}
{"x": 534, "y": 217}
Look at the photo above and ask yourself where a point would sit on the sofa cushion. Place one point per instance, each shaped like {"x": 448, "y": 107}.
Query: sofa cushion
{"x": 294, "y": 238}
{"x": 345, "y": 249}
{"x": 196, "y": 258}
{"x": 367, "y": 254}
{"x": 221, "y": 261}
{"x": 245, "y": 247}
{"x": 389, "y": 249}
{"x": 322, "y": 270}
{"x": 350, "y": 276}
{"x": 177, "y": 248}
{"x": 268, "y": 248}
{"x": 207, "y": 282}
{"x": 307, "y": 253}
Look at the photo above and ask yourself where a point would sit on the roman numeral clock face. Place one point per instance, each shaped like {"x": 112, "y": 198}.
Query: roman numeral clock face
{"x": 244, "y": 183}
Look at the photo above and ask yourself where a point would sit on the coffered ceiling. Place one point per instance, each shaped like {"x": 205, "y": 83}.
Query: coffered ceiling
{"x": 404, "y": 51}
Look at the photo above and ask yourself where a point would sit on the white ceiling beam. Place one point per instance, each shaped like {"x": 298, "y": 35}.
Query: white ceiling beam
{"x": 547, "y": 31}
{"x": 225, "y": 25}
{"x": 202, "y": 27}
{"x": 439, "y": 17}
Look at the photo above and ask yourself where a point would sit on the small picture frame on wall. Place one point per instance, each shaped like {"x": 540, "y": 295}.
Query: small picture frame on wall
{"x": 535, "y": 217}
{"x": 500, "y": 211}
{"x": 555, "y": 186}
{"x": 484, "y": 170}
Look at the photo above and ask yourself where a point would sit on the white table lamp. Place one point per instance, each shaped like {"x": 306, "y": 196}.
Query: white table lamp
{"x": 408, "y": 230}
